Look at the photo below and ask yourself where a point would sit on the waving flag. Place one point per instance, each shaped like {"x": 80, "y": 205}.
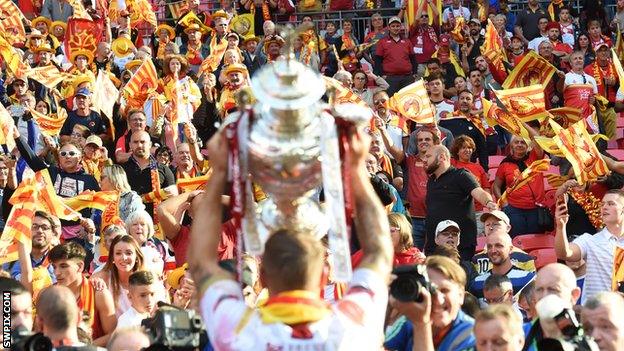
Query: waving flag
{"x": 532, "y": 69}
{"x": 618, "y": 66}
{"x": 563, "y": 116}
{"x": 141, "y": 12}
{"x": 82, "y": 34}
{"x": 217, "y": 50}
{"x": 92, "y": 199}
{"x": 79, "y": 10}
{"x": 6, "y": 128}
{"x": 144, "y": 80}
{"x": 12, "y": 59}
{"x": 493, "y": 48}
{"x": 412, "y": 102}
{"x": 190, "y": 184}
{"x": 343, "y": 95}
{"x": 11, "y": 22}
{"x": 526, "y": 103}
{"x": 535, "y": 169}
{"x": 619, "y": 45}
{"x": 49, "y": 76}
{"x": 414, "y": 5}
{"x": 177, "y": 9}
{"x": 496, "y": 115}
{"x": 579, "y": 148}
{"x": 49, "y": 125}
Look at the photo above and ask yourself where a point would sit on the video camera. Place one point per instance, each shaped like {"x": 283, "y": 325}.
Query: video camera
{"x": 409, "y": 280}
{"x": 25, "y": 340}
{"x": 173, "y": 328}
{"x": 552, "y": 307}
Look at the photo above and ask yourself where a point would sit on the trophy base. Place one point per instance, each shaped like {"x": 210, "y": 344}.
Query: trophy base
{"x": 301, "y": 216}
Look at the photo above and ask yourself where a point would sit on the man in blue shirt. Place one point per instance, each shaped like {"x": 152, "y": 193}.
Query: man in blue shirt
{"x": 437, "y": 323}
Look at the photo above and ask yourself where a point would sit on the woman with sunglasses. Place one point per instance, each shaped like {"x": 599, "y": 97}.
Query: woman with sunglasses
{"x": 68, "y": 178}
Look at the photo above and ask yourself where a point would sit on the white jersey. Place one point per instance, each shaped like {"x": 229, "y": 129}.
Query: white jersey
{"x": 355, "y": 322}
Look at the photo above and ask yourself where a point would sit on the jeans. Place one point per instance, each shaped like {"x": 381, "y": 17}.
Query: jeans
{"x": 418, "y": 232}
{"x": 522, "y": 221}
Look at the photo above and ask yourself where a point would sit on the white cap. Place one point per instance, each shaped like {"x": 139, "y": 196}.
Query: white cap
{"x": 445, "y": 224}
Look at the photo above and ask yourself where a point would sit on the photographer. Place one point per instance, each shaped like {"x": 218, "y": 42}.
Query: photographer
{"x": 292, "y": 268}
{"x": 21, "y": 305}
{"x": 436, "y": 323}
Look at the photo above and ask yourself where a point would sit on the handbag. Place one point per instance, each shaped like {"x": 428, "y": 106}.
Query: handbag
{"x": 545, "y": 219}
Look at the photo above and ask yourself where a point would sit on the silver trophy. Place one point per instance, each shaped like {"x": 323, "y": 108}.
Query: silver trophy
{"x": 289, "y": 146}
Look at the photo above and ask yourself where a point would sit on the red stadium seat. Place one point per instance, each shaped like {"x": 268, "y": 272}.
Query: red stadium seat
{"x": 543, "y": 257}
{"x": 495, "y": 160}
{"x": 480, "y": 243}
{"x": 620, "y": 121}
{"x": 619, "y": 154}
{"x": 528, "y": 242}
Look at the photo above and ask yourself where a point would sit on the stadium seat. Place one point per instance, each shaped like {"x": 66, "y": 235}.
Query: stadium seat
{"x": 480, "y": 243}
{"x": 620, "y": 121}
{"x": 529, "y": 242}
{"x": 492, "y": 173}
{"x": 495, "y": 160}
{"x": 617, "y": 153}
{"x": 543, "y": 257}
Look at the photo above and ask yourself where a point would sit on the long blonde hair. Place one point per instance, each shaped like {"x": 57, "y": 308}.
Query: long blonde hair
{"x": 118, "y": 178}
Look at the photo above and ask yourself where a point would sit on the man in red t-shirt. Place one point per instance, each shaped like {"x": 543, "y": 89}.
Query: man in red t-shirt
{"x": 394, "y": 58}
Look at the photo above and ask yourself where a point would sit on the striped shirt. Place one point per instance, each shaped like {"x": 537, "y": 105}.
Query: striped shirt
{"x": 598, "y": 251}
{"x": 519, "y": 278}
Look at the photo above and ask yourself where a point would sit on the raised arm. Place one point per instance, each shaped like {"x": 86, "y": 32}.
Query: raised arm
{"x": 371, "y": 222}
{"x": 171, "y": 213}
{"x": 394, "y": 151}
{"x": 564, "y": 249}
{"x": 206, "y": 229}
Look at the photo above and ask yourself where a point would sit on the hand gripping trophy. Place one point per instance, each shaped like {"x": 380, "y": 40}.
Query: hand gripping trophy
{"x": 290, "y": 142}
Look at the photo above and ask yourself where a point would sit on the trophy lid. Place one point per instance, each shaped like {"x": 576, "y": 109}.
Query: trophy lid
{"x": 287, "y": 84}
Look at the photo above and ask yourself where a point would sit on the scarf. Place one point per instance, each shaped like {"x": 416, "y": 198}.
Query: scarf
{"x": 266, "y": 13}
{"x": 591, "y": 205}
{"x": 86, "y": 301}
{"x": 294, "y": 307}
{"x": 155, "y": 179}
{"x": 386, "y": 165}
{"x": 551, "y": 8}
{"x": 599, "y": 74}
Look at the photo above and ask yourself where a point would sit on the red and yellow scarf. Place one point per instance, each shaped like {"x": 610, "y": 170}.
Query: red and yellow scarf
{"x": 551, "y": 8}
{"x": 294, "y": 307}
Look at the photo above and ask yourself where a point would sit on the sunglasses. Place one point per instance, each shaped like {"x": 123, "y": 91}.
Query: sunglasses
{"x": 68, "y": 153}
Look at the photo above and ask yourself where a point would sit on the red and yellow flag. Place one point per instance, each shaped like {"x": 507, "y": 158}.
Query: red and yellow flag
{"x": 141, "y": 12}
{"x": 617, "y": 62}
{"x": 526, "y": 103}
{"x": 618, "y": 268}
{"x": 580, "y": 150}
{"x": 493, "y": 48}
{"x": 412, "y": 102}
{"x": 563, "y": 116}
{"x": 79, "y": 10}
{"x": 344, "y": 95}
{"x": 177, "y": 9}
{"x": 495, "y": 115}
{"x": 532, "y": 69}
{"x": 49, "y": 76}
{"x": 99, "y": 200}
{"x": 217, "y": 50}
{"x": 619, "y": 45}
{"x": 49, "y": 125}
{"x": 155, "y": 196}
{"x": 82, "y": 35}
{"x": 12, "y": 58}
{"x": 11, "y": 22}
{"x": 144, "y": 80}
{"x": 527, "y": 175}
{"x": 413, "y": 7}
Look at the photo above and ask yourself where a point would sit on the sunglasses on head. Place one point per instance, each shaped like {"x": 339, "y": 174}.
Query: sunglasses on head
{"x": 68, "y": 153}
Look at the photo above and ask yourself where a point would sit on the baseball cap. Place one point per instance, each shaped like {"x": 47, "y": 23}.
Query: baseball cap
{"x": 500, "y": 215}
{"x": 445, "y": 224}
{"x": 600, "y": 45}
{"x": 83, "y": 92}
{"x": 394, "y": 19}
{"x": 475, "y": 20}
{"x": 94, "y": 139}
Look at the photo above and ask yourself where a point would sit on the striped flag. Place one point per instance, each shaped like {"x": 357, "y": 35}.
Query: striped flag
{"x": 343, "y": 95}
{"x": 619, "y": 45}
{"x": 12, "y": 59}
{"x": 79, "y": 10}
{"x": 49, "y": 76}
{"x": 186, "y": 185}
{"x": 526, "y": 103}
{"x": 217, "y": 50}
{"x": 17, "y": 228}
{"x": 563, "y": 116}
{"x": 555, "y": 180}
{"x": 618, "y": 268}
{"x": 49, "y": 201}
{"x": 414, "y": 5}
{"x": 98, "y": 200}
{"x": 532, "y": 171}
{"x": 177, "y": 9}
{"x": 49, "y": 125}
{"x": 143, "y": 81}
{"x": 617, "y": 62}
{"x": 155, "y": 196}
{"x": 493, "y": 48}
{"x": 532, "y": 69}
{"x": 412, "y": 102}
{"x": 579, "y": 148}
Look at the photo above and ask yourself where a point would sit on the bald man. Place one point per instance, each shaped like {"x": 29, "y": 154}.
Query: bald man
{"x": 132, "y": 339}
{"x": 603, "y": 320}
{"x": 450, "y": 194}
{"x": 499, "y": 247}
{"x": 553, "y": 279}
{"x": 139, "y": 169}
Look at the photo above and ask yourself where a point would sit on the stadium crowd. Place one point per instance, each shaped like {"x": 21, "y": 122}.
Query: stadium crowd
{"x": 487, "y": 187}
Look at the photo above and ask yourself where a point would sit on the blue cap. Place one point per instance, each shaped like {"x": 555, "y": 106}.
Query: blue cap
{"x": 83, "y": 92}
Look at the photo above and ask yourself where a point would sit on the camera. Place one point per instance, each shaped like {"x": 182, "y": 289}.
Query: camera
{"x": 573, "y": 338}
{"x": 172, "y": 328}
{"x": 409, "y": 280}
{"x": 25, "y": 340}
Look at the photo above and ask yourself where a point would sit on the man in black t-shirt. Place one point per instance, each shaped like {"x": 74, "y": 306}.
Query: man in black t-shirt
{"x": 85, "y": 116}
{"x": 450, "y": 194}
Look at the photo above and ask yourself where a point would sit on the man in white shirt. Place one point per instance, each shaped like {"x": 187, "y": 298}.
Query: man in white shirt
{"x": 597, "y": 250}
{"x": 294, "y": 316}
{"x": 456, "y": 10}
{"x": 142, "y": 295}
{"x": 579, "y": 90}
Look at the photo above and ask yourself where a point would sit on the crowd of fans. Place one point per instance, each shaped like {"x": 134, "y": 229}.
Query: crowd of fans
{"x": 424, "y": 194}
